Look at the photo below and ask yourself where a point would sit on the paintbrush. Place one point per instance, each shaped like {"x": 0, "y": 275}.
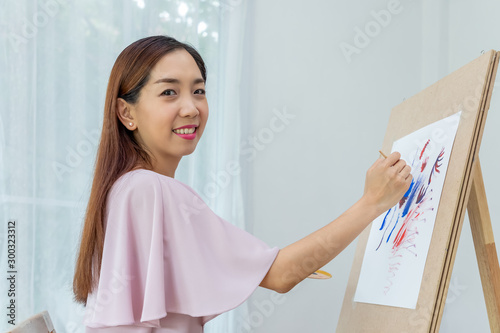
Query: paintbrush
{"x": 381, "y": 153}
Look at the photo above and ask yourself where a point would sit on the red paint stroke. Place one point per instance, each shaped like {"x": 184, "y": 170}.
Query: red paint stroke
{"x": 424, "y": 163}
{"x": 422, "y": 153}
{"x": 422, "y": 193}
{"x": 402, "y": 201}
{"x": 404, "y": 233}
{"x": 393, "y": 268}
{"x": 405, "y": 240}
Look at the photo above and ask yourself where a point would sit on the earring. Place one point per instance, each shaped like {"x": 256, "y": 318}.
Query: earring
{"x": 130, "y": 124}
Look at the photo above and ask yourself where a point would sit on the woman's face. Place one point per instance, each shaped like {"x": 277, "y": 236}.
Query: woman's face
{"x": 173, "y": 97}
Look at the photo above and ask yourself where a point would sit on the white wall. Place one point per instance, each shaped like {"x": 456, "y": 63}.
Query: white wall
{"x": 313, "y": 170}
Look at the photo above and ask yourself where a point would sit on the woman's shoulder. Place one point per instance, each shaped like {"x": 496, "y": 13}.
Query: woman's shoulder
{"x": 149, "y": 189}
{"x": 145, "y": 181}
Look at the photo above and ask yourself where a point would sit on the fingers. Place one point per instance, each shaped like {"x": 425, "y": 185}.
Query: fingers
{"x": 395, "y": 161}
{"x": 393, "y": 158}
{"x": 399, "y": 166}
{"x": 406, "y": 172}
{"x": 387, "y": 180}
{"x": 402, "y": 169}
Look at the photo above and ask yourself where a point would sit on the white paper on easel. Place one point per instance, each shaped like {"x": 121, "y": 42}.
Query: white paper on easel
{"x": 396, "y": 251}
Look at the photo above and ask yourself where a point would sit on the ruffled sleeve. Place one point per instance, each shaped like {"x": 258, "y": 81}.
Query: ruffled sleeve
{"x": 166, "y": 251}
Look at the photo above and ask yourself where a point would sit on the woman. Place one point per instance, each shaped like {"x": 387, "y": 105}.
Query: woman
{"x": 153, "y": 256}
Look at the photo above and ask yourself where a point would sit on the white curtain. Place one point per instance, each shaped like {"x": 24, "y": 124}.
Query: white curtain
{"x": 55, "y": 60}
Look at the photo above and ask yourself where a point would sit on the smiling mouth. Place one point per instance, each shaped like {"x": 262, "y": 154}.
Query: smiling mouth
{"x": 191, "y": 130}
{"x": 186, "y": 134}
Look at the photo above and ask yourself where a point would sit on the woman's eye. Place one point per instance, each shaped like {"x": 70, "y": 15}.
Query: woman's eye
{"x": 200, "y": 91}
{"x": 168, "y": 92}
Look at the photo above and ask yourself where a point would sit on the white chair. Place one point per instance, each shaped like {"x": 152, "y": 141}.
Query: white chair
{"x": 39, "y": 323}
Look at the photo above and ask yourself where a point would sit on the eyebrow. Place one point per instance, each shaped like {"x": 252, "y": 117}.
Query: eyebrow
{"x": 176, "y": 81}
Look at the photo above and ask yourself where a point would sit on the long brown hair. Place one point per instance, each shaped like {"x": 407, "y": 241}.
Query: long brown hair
{"x": 118, "y": 151}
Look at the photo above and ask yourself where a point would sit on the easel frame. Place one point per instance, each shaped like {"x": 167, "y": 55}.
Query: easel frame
{"x": 464, "y": 192}
{"x": 484, "y": 244}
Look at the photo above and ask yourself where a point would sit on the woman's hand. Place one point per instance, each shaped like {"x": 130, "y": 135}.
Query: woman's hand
{"x": 387, "y": 180}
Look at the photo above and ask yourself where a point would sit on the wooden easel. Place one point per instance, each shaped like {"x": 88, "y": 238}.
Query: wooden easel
{"x": 463, "y": 191}
{"x": 484, "y": 243}
{"x": 481, "y": 229}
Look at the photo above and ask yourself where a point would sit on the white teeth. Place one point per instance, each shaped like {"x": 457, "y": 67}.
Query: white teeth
{"x": 185, "y": 130}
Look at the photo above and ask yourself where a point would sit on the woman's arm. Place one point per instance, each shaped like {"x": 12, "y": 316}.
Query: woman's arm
{"x": 386, "y": 182}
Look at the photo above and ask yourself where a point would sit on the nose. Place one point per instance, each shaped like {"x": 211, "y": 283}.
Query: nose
{"x": 188, "y": 108}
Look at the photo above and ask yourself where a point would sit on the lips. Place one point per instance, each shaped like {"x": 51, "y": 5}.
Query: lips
{"x": 190, "y": 136}
{"x": 186, "y": 126}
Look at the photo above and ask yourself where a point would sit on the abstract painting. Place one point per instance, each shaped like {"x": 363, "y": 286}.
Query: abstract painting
{"x": 396, "y": 251}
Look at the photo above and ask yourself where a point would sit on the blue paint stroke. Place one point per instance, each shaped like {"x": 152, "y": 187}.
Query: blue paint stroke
{"x": 405, "y": 196}
{"x": 387, "y": 227}
{"x": 411, "y": 196}
{"x": 395, "y": 224}
{"x": 383, "y": 222}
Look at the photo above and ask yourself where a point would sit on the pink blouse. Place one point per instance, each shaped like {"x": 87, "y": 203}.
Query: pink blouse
{"x": 169, "y": 263}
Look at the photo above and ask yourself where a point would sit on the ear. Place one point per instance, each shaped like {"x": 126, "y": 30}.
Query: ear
{"x": 124, "y": 112}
